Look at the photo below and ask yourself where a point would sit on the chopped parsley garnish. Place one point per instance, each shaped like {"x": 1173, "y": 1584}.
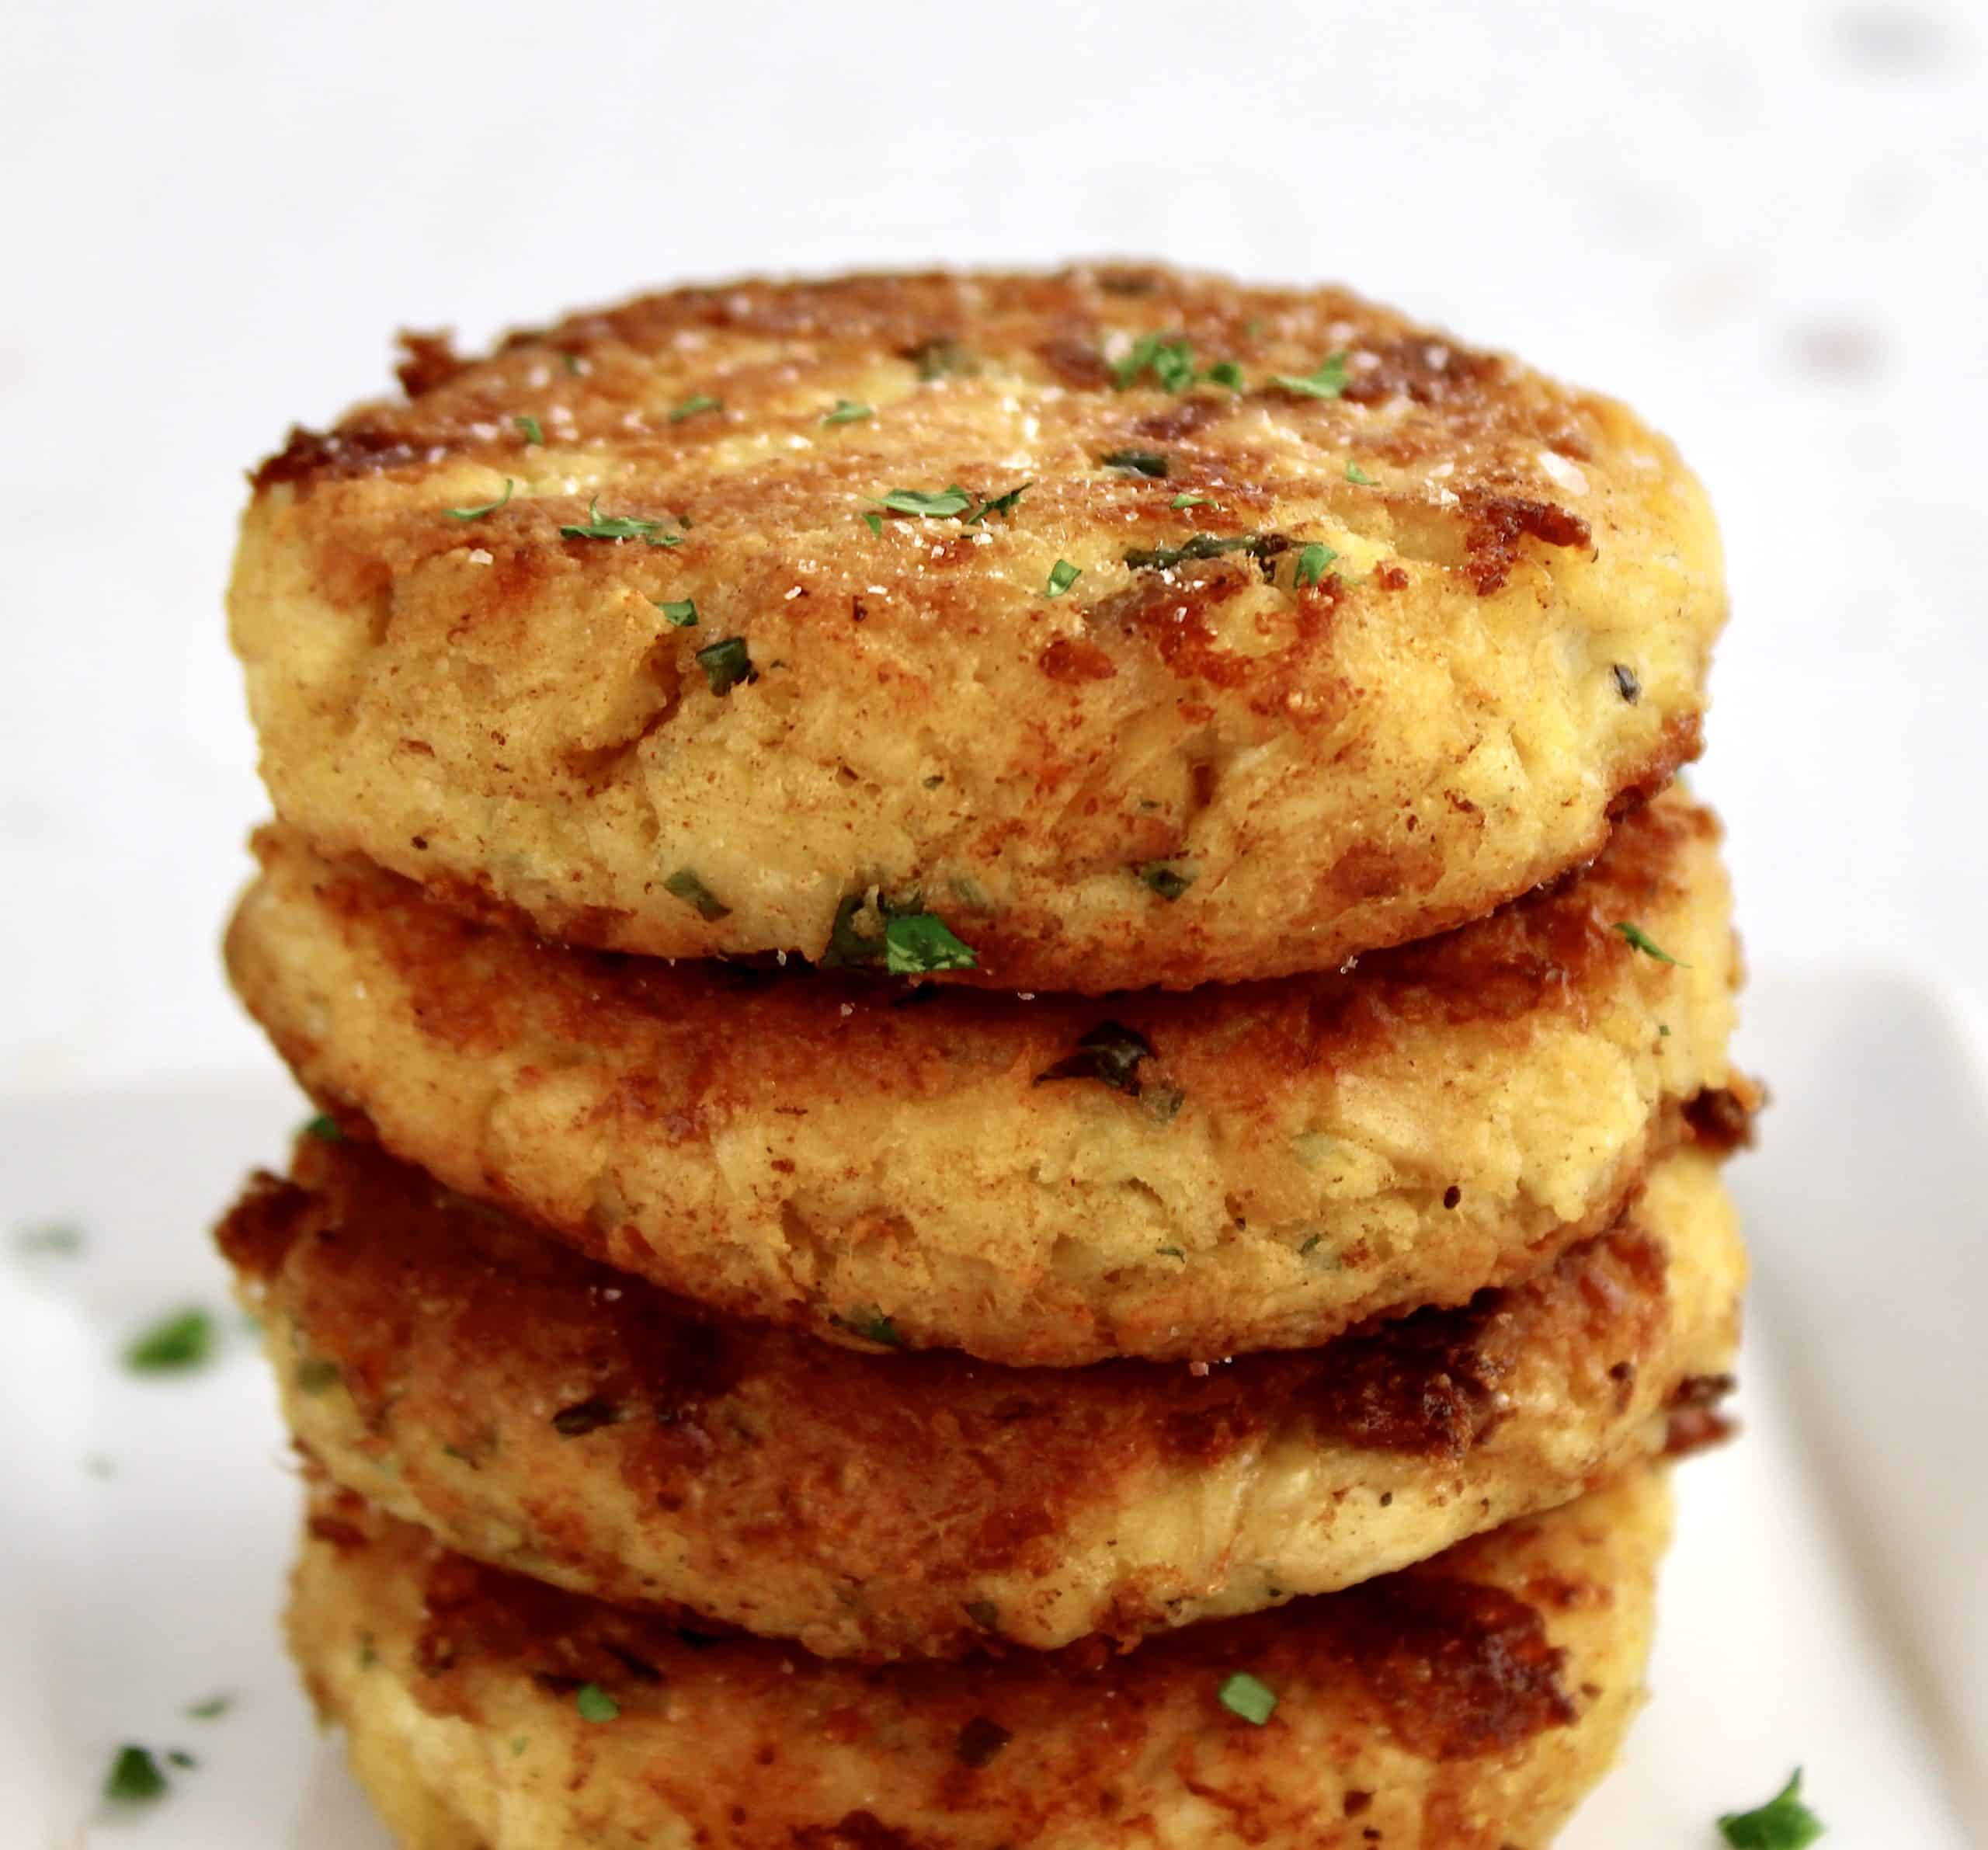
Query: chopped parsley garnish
{"x": 595, "y": 1704}
{"x": 875, "y": 523}
{"x": 726, "y": 663}
{"x": 1312, "y": 560}
{"x": 1245, "y": 1695}
{"x": 324, "y": 1128}
{"x": 984, "y": 1613}
{"x": 315, "y": 1374}
{"x": 211, "y": 1710}
{"x": 1110, "y": 1053}
{"x": 1183, "y": 500}
{"x": 1647, "y": 945}
{"x": 1002, "y": 505}
{"x": 584, "y": 1417}
{"x": 1202, "y": 546}
{"x": 873, "y": 1327}
{"x": 1226, "y": 372}
{"x": 1355, "y": 473}
{"x": 183, "y": 1340}
{"x": 134, "y": 1777}
{"x": 684, "y": 886}
{"x": 692, "y": 406}
{"x": 574, "y": 363}
{"x": 1784, "y": 1823}
{"x": 915, "y": 943}
{"x": 59, "y": 1240}
{"x": 979, "y": 1741}
{"x": 618, "y": 527}
{"x": 1171, "y": 1253}
{"x": 1328, "y": 382}
{"x": 1062, "y": 574}
{"x": 683, "y": 612}
{"x": 1170, "y": 362}
{"x": 848, "y": 412}
{"x": 1626, "y": 683}
{"x": 489, "y": 507}
{"x": 1169, "y": 882}
{"x": 938, "y": 359}
{"x": 530, "y": 429}
{"x": 1137, "y": 462}
{"x": 941, "y": 505}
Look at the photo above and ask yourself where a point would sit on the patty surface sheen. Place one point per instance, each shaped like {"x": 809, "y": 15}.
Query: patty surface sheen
{"x": 721, "y": 621}
{"x": 1053, "y": 1180}
{"x": 1466, "y": 1704}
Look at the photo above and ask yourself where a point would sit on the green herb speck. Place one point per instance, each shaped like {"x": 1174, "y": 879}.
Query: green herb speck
{"x": 529, "y": 428}
{"x": 598, "y": 526}
{"x": 211, "y": 1709}
{"x": 1647, "y": 945}
{"x": 915, "y": 943}
{"x": 1312, "y": 561}
{"x": 1062, "y": 574}
{"x": 1149, "y": 463}
{"x": 52, "y": 1239}
{"x": 848, "y": 412}
{"x": 181, "y": 1341}
{"x": 489, "y": 507}
{"x": 324, "y": 1128}
{"x": 1784, "y": 1823}
{"x": 691, "y": 406}
{"x": 1327, "y": 382}
{"x": 684, "y": 886}
{"x": 726, "y": 663}
{"x": 1169, "y": 882}
{"x": 1355, "y": 473}
{"x": 940, "y": 504}
{"x": 314, "y": 1374}
{"x": 682, "y": 612}
{"x": 595, "y": 1704}
{"x": 134, "y": 1777}
{"x": 1244, "y": 1695}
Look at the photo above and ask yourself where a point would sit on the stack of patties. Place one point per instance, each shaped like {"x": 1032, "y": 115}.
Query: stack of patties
{"x": 1024, "y": 1062}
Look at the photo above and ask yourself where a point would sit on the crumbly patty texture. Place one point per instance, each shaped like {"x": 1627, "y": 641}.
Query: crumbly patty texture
{"x": 1466, "y": 1704}
{"x": 1053, "y": 1181}
{"x": 697, "y": 625}
{"x": 542, "y": 1413}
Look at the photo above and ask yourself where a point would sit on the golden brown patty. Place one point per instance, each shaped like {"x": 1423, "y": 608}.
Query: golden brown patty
{"x": 1023, "y": 1179}
{"x": 546, "y": 1415}
{"x": 1466, "y": 1704}
{"x": 620, "y": 625}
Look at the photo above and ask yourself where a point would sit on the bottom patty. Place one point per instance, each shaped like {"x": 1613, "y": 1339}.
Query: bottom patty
{"x": 1466, "y": 1704}
{"x": 546, "y": 1415}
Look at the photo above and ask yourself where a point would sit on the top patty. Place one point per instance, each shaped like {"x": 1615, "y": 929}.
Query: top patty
{"x": 709, "y": 622}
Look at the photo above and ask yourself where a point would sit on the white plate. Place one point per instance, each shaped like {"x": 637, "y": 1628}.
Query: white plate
{"x": 1824, "y": 1604}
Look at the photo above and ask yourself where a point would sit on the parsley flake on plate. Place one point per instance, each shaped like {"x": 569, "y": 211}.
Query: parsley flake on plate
{"x": 53, "y": 1239}
{"x": 1784, "y": 1823}
{"x": 134, "y": 1777}
{"x": 212, "y": 1709}
{"x": 183, "y": 1340}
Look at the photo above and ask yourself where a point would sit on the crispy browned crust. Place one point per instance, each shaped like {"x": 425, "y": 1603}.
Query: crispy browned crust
{"x": 496, "y": 707}
{"x": 1463, "y": 1706}
{"x": 537, "y": 1409}
{"x": 1291, "y": 1157}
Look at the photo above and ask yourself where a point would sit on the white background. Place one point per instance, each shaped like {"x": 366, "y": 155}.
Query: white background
{"x": 1762, "y": 223}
